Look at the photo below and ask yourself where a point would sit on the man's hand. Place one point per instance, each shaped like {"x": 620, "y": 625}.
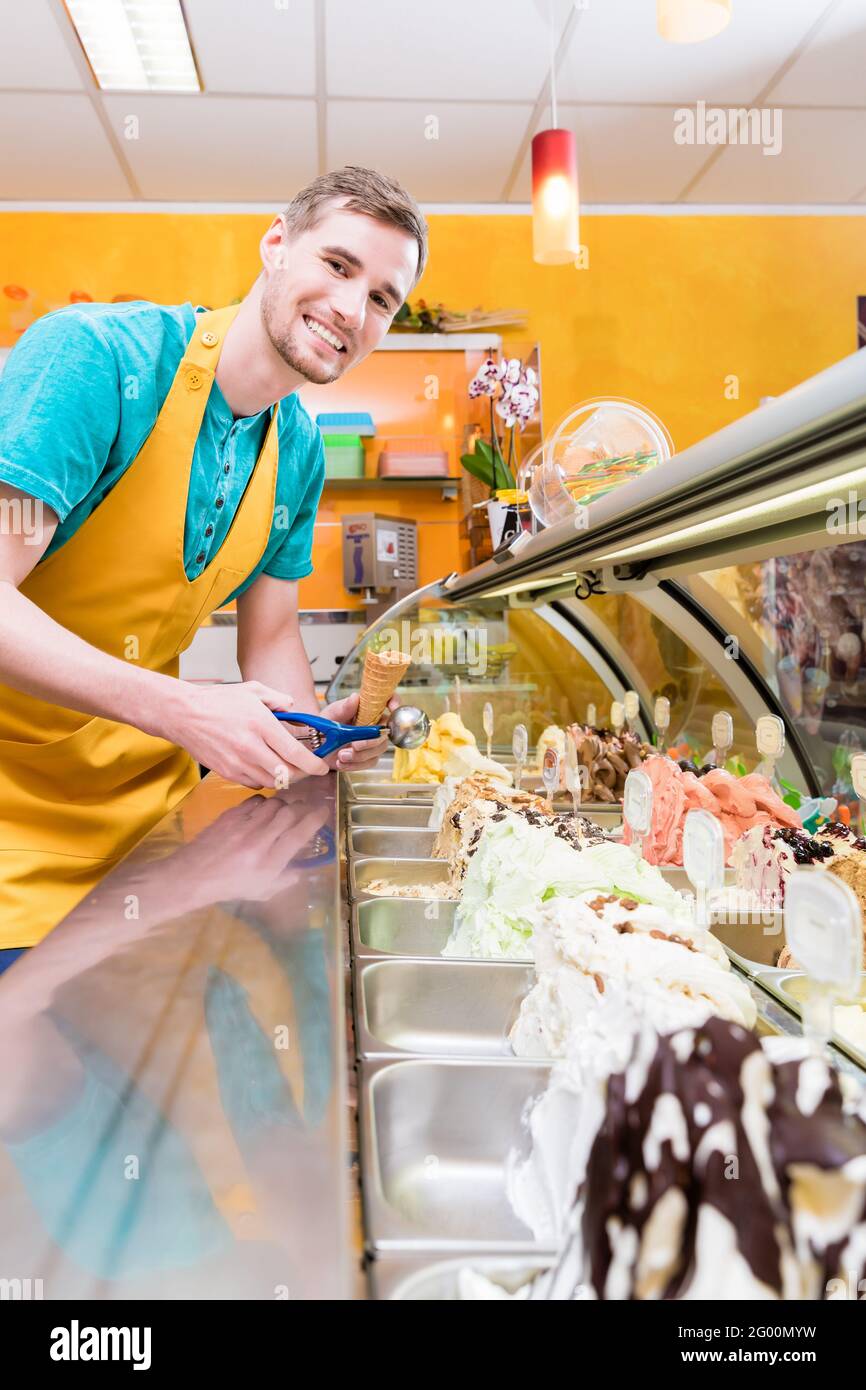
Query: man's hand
{"x": 231, "y": 730}
{"x": 366, "y": 751}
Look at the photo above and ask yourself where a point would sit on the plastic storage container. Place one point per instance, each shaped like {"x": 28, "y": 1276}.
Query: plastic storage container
{"x": 344, "y": 456}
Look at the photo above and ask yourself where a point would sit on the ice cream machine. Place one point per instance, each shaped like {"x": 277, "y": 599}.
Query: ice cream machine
{"x": 380, "y": 559}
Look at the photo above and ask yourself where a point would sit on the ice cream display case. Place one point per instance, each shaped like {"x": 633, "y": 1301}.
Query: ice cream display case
{"x": 520, "y": 936}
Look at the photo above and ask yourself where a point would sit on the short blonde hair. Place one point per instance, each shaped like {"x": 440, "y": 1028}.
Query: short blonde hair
{"x": 364, "y": 190}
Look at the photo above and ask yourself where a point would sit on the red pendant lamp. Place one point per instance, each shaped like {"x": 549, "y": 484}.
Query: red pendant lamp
{"x": 555, "y": 220}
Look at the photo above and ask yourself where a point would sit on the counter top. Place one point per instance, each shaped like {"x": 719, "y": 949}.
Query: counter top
{"x": 173, "y": 1109}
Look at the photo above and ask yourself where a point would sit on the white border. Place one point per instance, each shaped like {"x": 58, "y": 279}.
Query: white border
{"x": 474, "y": 209}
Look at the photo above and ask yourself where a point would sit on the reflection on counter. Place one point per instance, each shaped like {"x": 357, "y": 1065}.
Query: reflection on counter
{"x": 173, "y": 1124}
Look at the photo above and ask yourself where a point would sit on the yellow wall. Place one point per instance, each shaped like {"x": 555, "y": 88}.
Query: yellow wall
{"x": 669, "y": 309}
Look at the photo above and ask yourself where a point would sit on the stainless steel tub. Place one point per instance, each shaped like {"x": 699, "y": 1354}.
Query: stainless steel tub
{"x": 419, "y": 1278}
{"x": 790, "y": 987}
{"x": 391, "y": 844}
{"x": 414, "y": 792}
{"x": 431, "y": 872}
{"x": 753, "y": 942}
{"x": 401, "y": 926}
{"x": 434, "y": 1141}
{"x": 388, "y": 817}
{"x": 438, "y": 1009}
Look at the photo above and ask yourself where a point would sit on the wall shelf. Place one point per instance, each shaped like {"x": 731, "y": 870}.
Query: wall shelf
{"x": 450, "y": 486}
{"x": 439, "y": 342}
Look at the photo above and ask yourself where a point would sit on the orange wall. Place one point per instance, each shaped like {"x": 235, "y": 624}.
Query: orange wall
{"x": 668, "y": 311}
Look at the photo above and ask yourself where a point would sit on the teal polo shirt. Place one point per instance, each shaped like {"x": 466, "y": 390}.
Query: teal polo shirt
{"x": 79, "y": 396}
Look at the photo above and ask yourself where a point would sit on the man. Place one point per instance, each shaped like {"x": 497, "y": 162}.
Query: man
{"x": 174, "y": 468}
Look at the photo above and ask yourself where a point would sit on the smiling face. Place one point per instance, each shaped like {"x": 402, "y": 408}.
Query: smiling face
{"x": 331, "y": 292}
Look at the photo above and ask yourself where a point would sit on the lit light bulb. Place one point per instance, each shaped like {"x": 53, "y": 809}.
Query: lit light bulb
{"x": 556, "y": 196}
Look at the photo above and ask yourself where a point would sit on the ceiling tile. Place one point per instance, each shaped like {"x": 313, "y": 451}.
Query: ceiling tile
{"x": 830, "y": 71}
{"x": 268, "y": 47}
{"x": 33, "y": 53}
{"x": 451, "y": 49}
{"x": 616, "y": 54}
{"x": 625, "y": 154}
{"x": 210, "y": 147}
{"x": 61, "y": 151}
{"x": 468, "y": 162}
{"x": 820, "y": 161}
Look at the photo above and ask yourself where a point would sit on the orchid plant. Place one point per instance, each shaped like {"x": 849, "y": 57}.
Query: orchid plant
{"x": 512, "y": 390}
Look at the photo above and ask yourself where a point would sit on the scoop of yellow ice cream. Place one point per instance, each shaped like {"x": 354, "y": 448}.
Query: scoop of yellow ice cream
{"x": 449, "y": 749}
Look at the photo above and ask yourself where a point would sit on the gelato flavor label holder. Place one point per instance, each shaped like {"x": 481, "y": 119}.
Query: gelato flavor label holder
{"x": 637, "y": 807}
{"x": 770, "y": 742}
{"x": 704, "y": 860}
{"x": 488, "y": 725}
{"x": 520, "y": 751}
{"x": 723, "y": 736}
{"x": 858, "y": 781}
{"x": 631, "y": 709}
{"x": 823, "y": 928}
{"x": 550, "y": 774}
{"x": 617, "y": 717}
{"x": 591, "y": 716}
{"x": 662, "y": 718}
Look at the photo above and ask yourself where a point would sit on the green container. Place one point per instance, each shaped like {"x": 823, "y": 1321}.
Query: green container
{"x": 344, "y": 456}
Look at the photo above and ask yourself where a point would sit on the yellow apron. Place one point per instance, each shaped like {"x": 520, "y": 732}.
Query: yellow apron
{"x": 76, "y": 792}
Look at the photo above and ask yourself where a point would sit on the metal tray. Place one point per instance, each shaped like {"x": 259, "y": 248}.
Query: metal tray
{"x": 753, "y": 942}
{"x": 676, "y": 876}
{"x": 786, "y": 986}
{"x": 387, "y": 927}
{"x": 378, "y": 817}
{"x": 399, "y": 871}
{"x": 434, "y": 1140}
{"x": 420, "y": 1278}
{"x": 391, "y": 844}
{"x": 413, "y": 792}
{"x": 438, "y": 1008}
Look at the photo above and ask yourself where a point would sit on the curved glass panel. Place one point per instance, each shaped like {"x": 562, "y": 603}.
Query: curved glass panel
{"x": 528, "y": 669}
{"x": 802, "y": 620}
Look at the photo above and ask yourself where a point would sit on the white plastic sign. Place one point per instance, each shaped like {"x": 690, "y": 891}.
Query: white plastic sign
{"x": 723, "y": 729}
{"x": 617, "y": 716}
{"x": 487, "y": 722}
{"x": 637, "y": 802}
{"x": 520, "y": 743}
{"x": 591, "y": 717}
{"x": 631, "y": 705}
{"x": 858, "y": 774}
{"x": 770, "y": 736}
{"x": 823, "y": 928}
{"x": 704, "y": 858}
{"x": 520, "y": 748}
{"x": 662, "y": 714}
{"x": 550, "y": 772}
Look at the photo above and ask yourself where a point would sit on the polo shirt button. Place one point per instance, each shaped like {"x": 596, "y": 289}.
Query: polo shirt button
{"x": 199, "y": 559}
{"x": 208, "y": 530}
{"x": 219, "y": 502}
{"x": 227, "y": 468}
{"x": 193, "y": 380}
{"x": 210, "y": 339}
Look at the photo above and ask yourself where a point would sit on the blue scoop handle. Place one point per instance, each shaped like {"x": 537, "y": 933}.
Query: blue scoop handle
{"x": 336, "y": 735}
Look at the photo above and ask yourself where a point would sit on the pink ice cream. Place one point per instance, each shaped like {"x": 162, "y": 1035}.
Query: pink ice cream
{"x": 738, "y": 802}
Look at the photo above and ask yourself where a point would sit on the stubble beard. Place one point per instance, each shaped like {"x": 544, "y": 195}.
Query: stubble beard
{"x": 284, "y": 342}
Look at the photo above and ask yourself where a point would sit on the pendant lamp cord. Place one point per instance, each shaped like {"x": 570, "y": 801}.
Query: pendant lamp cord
{"x": 552, "y": 66}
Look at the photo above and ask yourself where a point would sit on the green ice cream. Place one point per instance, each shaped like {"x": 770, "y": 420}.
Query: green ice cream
{"x": 518, "y": 867}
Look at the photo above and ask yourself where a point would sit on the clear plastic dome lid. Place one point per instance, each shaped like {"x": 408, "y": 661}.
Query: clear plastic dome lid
{"x": 597, "y": 447}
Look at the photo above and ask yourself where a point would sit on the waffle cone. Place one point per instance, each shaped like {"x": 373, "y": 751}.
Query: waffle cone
{"x": 383, "y": 672}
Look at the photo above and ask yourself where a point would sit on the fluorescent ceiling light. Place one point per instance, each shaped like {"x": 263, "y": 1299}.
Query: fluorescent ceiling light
{"x": 136, "y": 45}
